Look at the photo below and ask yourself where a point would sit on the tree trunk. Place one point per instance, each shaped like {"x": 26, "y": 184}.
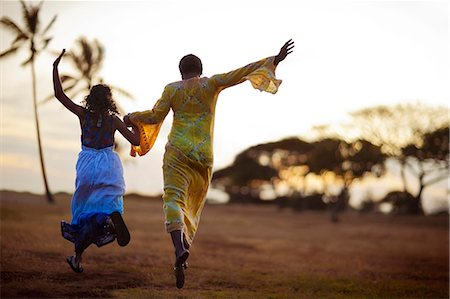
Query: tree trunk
{"x": 419, "y": 194}
{"x": 41, "y": 157}
{"x": 402, "y": 173}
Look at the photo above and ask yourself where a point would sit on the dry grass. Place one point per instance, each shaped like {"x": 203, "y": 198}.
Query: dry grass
{"x": 239, "y": 252}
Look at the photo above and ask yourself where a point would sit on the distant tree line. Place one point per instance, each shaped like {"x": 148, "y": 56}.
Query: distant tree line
{"x": 318, "y": 174}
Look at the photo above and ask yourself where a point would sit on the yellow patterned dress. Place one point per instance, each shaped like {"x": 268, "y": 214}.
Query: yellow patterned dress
{"x": 188, "y": 158}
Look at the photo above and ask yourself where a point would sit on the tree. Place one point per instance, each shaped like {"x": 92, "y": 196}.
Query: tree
{"x": 403, "y": 203}
{"x": 31, "y": 36}
{"x": 347, "y": 162}
{"x": 243, "y": 178}
{"x": 87, "y": 59}
{"x": 429, "y": 161}
{"x": 395, "y": 127}
{"x": 266, "y": 165}
{"x": 291, "y": 160}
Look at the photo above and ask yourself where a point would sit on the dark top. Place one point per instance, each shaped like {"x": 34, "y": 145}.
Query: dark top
{"x": 97, "y": 130}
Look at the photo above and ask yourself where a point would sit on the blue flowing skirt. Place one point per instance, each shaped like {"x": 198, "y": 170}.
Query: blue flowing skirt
{"x": 99, "y": 184}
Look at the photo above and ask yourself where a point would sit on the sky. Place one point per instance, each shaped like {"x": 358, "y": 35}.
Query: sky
{"x": 348, "y": 55}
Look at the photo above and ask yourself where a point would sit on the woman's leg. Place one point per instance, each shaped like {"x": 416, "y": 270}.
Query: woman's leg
{"x": 83, "y": 239}
{"x": 181, "y": 254}
{"x": 173, "y": 209}
{"x": 82, "y": 242}
{"x": 178, "y": 242}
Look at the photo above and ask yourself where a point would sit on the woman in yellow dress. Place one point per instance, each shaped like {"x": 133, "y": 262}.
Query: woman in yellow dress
{"x": 188, "y": 157}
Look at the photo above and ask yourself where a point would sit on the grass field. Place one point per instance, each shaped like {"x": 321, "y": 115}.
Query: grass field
{"x": 241, "y": 251}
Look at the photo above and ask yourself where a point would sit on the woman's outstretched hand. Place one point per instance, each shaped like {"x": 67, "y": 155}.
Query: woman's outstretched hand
{"x": 56, "y": 62}
{"x": 284, "y": 51}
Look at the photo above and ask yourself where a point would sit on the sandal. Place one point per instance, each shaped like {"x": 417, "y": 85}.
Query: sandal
{"x": 70, "y": 261}
{"x": 180, "y": 265}
{"x": 121, "y": 230}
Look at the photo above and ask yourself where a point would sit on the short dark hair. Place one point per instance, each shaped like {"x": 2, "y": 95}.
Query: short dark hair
{"x": 190, "y": 64}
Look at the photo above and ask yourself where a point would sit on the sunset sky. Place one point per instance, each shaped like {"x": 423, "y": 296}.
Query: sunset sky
{"x": 348, "y": 55}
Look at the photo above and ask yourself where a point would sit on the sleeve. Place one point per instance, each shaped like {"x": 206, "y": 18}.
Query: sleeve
{"x": 149, "y": 123}
{"x": 261, "y": 74}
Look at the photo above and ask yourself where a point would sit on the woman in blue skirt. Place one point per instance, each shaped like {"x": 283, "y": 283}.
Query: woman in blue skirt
{"x": 97, "y": 203}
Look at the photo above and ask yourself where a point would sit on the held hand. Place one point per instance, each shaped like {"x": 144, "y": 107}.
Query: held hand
{"x": 284, "y": 51}
{"x": 126, "y": 120}
{"x": 56, "y": 62}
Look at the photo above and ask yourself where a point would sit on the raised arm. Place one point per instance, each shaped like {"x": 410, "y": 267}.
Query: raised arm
{"x": 59, "y": 92}
{"x": 238, "y": 76}
{"x": 284, "y": 52}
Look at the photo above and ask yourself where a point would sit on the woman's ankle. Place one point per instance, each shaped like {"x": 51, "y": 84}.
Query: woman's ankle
{"x": 77, "y": 259}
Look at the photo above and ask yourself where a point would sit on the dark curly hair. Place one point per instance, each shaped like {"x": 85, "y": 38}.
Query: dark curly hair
{"x": 100, "y": 100}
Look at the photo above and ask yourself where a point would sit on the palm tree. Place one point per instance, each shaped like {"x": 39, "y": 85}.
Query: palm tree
{"x": 35, "y": 41}
{"x": 87, "y": 59}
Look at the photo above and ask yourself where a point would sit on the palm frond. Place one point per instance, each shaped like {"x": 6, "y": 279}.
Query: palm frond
{"x": 19, "y": 40}
{"x": 83, "y": 64}
{"x": 70, "y": 87}
{"x": 13, "y": 27}
{"x": 82, "y": 89}
{"x": 73, "y": 94}
{"x": 49, "y": 25}
{"x": 87, "y": 53}
{"x": 46, "y": 41}
{"x": 76, "y": 61}
{"x": 52, "y": 96}
{"x": 33, "y": 18}
{"x": 86, "y": 57}
{"x": 66, "y": 78}
{"x": 99, "y": 56}
{"x": 33, "y": 21}
{"x": 27, "y": 16}
{"x": 25, "y": 12}
{"x": 9, "y": 51}
{"x": 94, "y": 54}
{"x": 28, "y": 60}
